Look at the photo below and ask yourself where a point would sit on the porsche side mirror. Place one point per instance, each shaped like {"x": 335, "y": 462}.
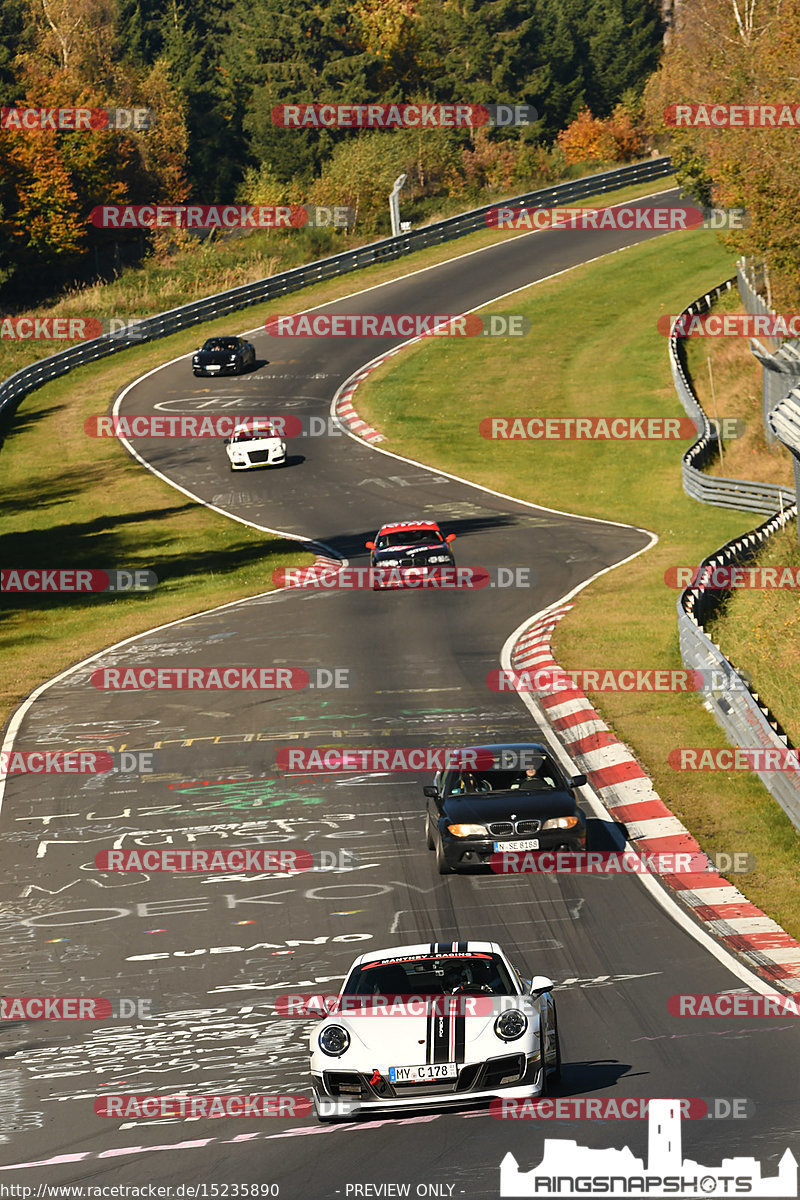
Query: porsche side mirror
{"x": 370, "y": 545}
{"x": 539, "y": 984}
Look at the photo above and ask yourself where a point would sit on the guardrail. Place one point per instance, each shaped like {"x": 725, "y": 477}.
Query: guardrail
{"x": 715, "y": 489}
{"x": 741, "y": 713}
{"x": 14, "y": 389}
{"x": 746, "y": 720}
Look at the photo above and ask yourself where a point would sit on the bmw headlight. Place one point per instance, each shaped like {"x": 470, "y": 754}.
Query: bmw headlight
{"x": 439, "y": 558}
{"x": 511, "y": 1025}
{"x": 468, "y": 830}
{"x": 388, "y": 562}
{"x": 334, "y": 1040}
{"x": 561, "y": 823}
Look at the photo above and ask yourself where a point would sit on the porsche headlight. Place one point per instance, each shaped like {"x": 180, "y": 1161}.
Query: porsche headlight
{"x": 511, "y": 1025}
{"x": 334, "y": 1040}
{"x": 561, "y": 823}
{"x": 468, "y": 830}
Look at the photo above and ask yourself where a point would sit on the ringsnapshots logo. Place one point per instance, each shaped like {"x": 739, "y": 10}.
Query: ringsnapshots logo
{"x": 398, "y": 325}
{"x": 403, "y": 116}
{"x": 221, "y": 216}
{"x": 623, "y": 217}
{"x": 76, "y": 120}
{"x": 76, "y": 582}
{"x": 569, "y": 1170}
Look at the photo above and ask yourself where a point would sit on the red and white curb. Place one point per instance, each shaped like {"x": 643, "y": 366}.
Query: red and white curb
{"x": 630, "y": 798}
{"x": 343, "y": 401}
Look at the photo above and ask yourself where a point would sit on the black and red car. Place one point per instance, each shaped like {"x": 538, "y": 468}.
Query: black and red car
{"x": 404, "y": 544}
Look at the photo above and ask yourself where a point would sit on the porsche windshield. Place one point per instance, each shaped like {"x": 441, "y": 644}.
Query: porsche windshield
{"x": 433, "y": 975}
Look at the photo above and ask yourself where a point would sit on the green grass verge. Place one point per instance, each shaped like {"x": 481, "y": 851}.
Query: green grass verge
{"x": 69, "y": 500}
{"x": 594, "y": 350}
{"x": 201, "y": 269}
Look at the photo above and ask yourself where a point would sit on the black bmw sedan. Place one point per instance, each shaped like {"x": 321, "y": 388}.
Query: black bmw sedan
{"x": 502, "y": 798}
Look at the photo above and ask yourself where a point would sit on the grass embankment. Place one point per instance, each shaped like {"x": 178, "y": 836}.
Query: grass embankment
{"x": 73, "y": 501}
{"x": 594, "y": 350}
{"x": 201, "y": 269}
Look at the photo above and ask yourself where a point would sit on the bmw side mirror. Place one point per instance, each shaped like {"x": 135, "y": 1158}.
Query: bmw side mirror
{"x": 451, "y": 537}
{"x": 431, "y": 792}
{"x": 539, "y": 984}
{"x": 370, "y": 545}
{"x": 577, "y": 781}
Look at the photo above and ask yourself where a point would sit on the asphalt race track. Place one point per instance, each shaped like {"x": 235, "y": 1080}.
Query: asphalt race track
{"x": 212, "y": 952}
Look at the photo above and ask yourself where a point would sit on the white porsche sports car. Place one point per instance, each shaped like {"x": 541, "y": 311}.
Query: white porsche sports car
{"x": 433, "y": 1025}
{"x": 255, "y": 448}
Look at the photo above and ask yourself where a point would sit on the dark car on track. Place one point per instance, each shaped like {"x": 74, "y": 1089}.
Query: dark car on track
{"x": 504, "y": 798}
{"x": 223, "y": 356}
{"x": 403, "y": 544}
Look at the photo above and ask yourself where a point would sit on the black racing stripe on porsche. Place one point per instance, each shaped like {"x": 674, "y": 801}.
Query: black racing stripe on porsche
{"x": 462, "y": 947}
{"x": 460, "y": 1032}
{"x": 438, "y": 1040}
